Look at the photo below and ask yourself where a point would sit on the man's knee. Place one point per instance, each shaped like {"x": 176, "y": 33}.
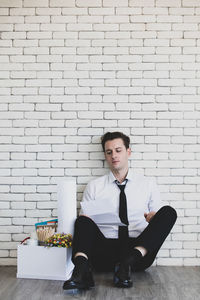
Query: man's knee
{"x": 168, "y": 211}
{"x": 83, "y": 220}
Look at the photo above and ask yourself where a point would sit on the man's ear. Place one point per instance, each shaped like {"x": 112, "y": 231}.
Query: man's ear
{"x": 129, "y": 151}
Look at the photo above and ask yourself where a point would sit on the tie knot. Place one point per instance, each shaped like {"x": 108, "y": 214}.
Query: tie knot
{"x": 121, "y": 186}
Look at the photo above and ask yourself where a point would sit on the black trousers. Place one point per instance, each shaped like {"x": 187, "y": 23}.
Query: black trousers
{"x": 104, "y": 253}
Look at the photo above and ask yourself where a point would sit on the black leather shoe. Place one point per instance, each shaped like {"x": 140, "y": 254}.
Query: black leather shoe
{"x": 122, "y": 276}
{"x": 79, "y": 280}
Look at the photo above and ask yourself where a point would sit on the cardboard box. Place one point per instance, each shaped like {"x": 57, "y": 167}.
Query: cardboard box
{"x": 40, "y": 262}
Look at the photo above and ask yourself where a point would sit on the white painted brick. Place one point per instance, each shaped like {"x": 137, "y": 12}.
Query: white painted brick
{"x": 4, "y": 11}
{"x": 133, "y": 43}
{"x": 170, "y": 131}
{"x": 90, "y": 131}
{"x": 192, "y": 3}
{"x": 10, "y": 3}
{"x": 23, "y": 189}
{"x": 36, "y": 66}
{"x": 79, "y": 139}
{"x": 94, "y": 148}
{"x": 64, "y": 115}
{"x": 51, "y": 172}
{"x": 4, "y": 156}
{"x": 12, "y": 83}
{"x": 192, "y": 148}
{"x": 155, "y": 10}
{"x": 104, "y": 123}
{"x": 130, "y": 90}
{"x": 46, "y": 205}
{"x": 12, "y": 66}
{"x": 103, "y": 74}
{"x": 78, "y": 172}
{"x": 35, "y": 197}
{"x": 117, "y": 115}
{"x": 64, "y": 131}
{"x": 63, "y": 164}
{"x": 48, "y": 11}
{"x": 25, "y": 140}
{"x": 170, "y": 164}
{"x": 90, "y": 164}
{"x": 143, "y": 115}
{"x": 13, "y": 35}
{"x": 27, "y": 27}
{"x": 24, "y": 172}
{"x": 62, "y": 3}
{"x": 117, "y": 82}
{"x": 170, "y": 148}
{"x": 24, "y": 91}
{"x": 37, "y": 3}
{"x": 52, "y": 27}
{"x": 115, "y": 3}
{"x": 117, "y": 35}
{"x": 80, "y": 123}
{"x": 156, "y": 156}
{"x": 11, "y": 19}
{"x": 157, "y": 139}
{"x": 5, "y": 237}
{"x": 137, "y": 3}
{"x": 75, "y": 11}
{"x": 143, "y": 19}
{"x": 91, "y": 82}
{"x": 142, "y": 164}
{"x": 23, "y": 205}
{"x": 191, "y": 261}
{"x": 115, "y": 98}
{"x": 90, "y": 34}
{"x": 6, "y": 27}
{"x": 8, "y": 261}
{"x": 156, "y": 172}
{"x": 90, "y": 3}
{"x": 51, "y": 139}
{"x": 90, "y": 115}
{"x": 36, "y": 180}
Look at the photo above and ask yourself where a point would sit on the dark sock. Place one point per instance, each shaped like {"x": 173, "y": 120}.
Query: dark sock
{"x": 133, "y": 258}
{"x": 81, "y": 263}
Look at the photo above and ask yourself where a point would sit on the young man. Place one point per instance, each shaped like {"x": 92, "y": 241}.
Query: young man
{"x": 120, "y": 248}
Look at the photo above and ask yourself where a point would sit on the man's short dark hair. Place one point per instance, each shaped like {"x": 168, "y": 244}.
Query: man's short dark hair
{"x": 108, "y": 136}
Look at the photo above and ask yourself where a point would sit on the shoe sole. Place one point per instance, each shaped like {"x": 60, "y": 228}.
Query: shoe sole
{"x": 79, "y": 286}
{"x": 122, "y": 285}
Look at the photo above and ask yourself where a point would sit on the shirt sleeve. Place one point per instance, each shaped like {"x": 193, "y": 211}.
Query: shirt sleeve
{"x": 155, "y": 199}
{"x": 88, "y": 194}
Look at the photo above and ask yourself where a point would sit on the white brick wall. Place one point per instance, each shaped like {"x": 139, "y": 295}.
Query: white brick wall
{"x": 70, "y": 71}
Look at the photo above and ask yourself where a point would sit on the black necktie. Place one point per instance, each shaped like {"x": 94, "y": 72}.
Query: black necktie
{"x": 123, "y": 230}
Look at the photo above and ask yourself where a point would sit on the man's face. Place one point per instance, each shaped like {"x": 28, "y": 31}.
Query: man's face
{"x": 116, "y": 154}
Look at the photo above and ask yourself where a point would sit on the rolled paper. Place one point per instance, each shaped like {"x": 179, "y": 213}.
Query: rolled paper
{"x": 67, "y": 207}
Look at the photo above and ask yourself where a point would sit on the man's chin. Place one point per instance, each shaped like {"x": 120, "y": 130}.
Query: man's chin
{"x": 116, "y": 168}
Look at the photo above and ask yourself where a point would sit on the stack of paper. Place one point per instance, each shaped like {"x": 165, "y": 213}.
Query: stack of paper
{"x": 102, "y": 212}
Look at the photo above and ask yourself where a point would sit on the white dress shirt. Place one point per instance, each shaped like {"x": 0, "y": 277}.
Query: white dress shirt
{"x": 142, "y": 197}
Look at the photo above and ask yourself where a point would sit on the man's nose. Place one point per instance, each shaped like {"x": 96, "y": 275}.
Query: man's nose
{"x": 114, "y": 154}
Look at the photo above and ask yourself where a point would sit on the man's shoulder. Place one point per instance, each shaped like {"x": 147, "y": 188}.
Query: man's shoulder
{"x": 98, "y": 180}
{"x": 138, "y": 177}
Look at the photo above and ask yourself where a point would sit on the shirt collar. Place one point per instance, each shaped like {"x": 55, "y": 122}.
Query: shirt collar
{"x": 129, "y": 176}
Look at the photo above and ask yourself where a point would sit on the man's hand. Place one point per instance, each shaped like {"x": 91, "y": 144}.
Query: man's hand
{"x": 149, "y": 216}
